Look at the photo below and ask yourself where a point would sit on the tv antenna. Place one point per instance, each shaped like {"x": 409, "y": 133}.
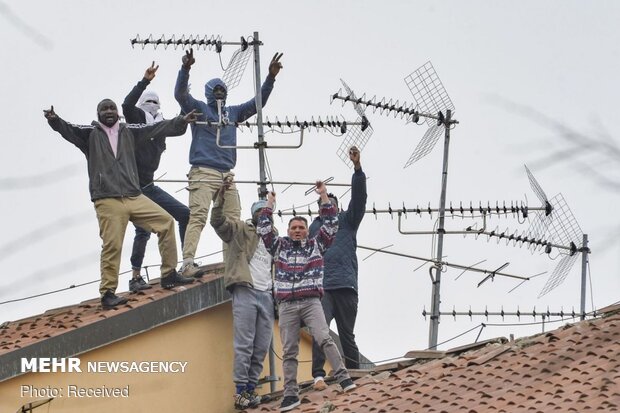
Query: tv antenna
{"x": 559, "y": 231}
{"x": 234, "y": 71}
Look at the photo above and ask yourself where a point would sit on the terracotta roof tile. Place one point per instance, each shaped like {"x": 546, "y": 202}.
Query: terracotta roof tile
{"x": 572, "y": 369}
{"x": 21, "y": 333}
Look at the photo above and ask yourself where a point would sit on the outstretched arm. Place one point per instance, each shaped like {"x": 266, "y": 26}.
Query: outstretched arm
{"x": 357, "y": 204}
{"x": 77, "y": 135}
{"x": 329, "y": 215}
{"x": 181, "y": 90}
{"x": 248, "y": 109}
{"x": 166, "y": 128}
{"x": 265, "y": 226}
{"x": 132, "y": 113}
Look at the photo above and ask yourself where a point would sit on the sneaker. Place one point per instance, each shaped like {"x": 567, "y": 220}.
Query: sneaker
{"x": 111, "y": 300}
{"x": 138, "y": 284}
{"x": 319, "y": 383}
{"x": 191, "y": 270}
{"x": 173, "y": 279}
{"x": 255, "y": 399}
{"x": 347, "y": 385}
{"x": 289, "y": 403}
{"x": 242, "y": 400}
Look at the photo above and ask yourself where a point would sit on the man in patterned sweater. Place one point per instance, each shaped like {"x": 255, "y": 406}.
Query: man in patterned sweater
{"x": 299, "y": 288}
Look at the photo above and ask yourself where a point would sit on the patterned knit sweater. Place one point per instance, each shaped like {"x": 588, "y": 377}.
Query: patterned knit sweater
{"x": 299, "y": 264}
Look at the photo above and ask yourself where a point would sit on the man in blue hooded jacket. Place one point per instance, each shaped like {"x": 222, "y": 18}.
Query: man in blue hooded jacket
{"x": 340, "y": 278}
{"x": 211, "y": 163}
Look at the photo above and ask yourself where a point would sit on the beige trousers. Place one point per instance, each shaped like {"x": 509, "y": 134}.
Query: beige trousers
{"x": 113, "y": 215}
{"x": 201, "y": 195}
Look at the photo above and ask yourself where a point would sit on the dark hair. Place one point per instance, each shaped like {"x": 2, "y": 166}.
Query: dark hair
{"x": 298, "y": 218}
{"x": 329, "y": 195}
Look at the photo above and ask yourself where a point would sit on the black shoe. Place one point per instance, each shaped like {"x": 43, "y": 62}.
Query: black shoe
{"x": 347, "y": 385}
{"x": 289, "y": 403}
{"x": 111, "y": 300}
{"x": 173, "y": 279}
{"x": 138, "y": 284}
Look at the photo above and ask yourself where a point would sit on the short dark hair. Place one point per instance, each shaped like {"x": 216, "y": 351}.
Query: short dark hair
{"x": 329, "y": 195}
{"x": 298, "y": 218}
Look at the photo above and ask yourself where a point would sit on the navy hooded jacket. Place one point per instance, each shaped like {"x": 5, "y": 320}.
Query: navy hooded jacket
{"x": 341, "y": 258}
{"x": 204, "y": 150}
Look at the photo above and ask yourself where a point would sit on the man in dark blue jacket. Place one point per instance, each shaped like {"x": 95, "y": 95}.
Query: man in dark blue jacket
{"x": 340, "y": 278}
{"x": 211, "y": 163}
{"x": 143, "y": 107}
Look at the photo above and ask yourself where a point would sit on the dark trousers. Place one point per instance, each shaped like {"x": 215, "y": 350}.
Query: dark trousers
{"x": 170, "y": 204}
{"x": 339, "y": 304}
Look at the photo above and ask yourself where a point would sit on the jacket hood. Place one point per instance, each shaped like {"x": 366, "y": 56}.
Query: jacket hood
{"x": 209, "y": 86}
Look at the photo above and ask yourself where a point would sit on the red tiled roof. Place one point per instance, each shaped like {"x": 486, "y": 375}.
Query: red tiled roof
{"x": 21, "y": 333}
{"x": 575, "y": 368}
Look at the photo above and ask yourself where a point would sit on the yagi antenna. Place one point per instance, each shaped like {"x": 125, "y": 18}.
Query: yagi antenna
{"x": 432, "y": 104}
{"x": 235, "y": 68}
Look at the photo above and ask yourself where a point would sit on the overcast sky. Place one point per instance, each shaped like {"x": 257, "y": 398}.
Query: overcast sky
{"x": 531, "y": 82}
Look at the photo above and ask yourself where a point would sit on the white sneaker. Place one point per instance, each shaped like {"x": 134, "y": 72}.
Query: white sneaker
{"x": 191, "y": 270}
{"x": 319, "y": 383}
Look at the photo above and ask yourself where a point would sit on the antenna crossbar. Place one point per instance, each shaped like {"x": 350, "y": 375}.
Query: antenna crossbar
{"x": 182, "y": 42}
{"x": 448, "y": 264}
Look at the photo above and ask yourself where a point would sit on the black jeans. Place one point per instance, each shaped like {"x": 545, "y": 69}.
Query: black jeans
{"x": 170, "y": 204}
{"x": 339, "y": 304}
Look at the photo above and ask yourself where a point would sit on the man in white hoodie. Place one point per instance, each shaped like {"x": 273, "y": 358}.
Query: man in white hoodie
{"x": 143, "y": 106}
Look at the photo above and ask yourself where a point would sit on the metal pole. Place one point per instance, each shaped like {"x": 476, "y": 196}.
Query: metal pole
{"x": 435, "y": 300}
{"x": 584, "y": 269}
{"x": 262, "y": 192}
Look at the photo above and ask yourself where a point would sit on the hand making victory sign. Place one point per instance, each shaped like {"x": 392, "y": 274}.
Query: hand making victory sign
{"x": 275, "y": 65}
{"x": 150, "y": 72}
{"x": 188, "y": 59}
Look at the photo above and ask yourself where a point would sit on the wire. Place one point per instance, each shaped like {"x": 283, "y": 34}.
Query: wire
{"x": 221, "y": 65}
{"x": 86, "y": 283}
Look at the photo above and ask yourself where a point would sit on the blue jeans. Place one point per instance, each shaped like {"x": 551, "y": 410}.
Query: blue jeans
{"x": 339, "y": 304}
{"x": 170, "y": 204}
{"x": 253, "y": 326}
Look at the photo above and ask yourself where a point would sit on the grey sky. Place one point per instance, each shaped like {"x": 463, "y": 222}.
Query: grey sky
{"x": 557, "y": 58}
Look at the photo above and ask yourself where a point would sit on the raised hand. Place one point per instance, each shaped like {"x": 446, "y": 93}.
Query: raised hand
{"x": 188, "y": 59}
{"x": 271, "y": 199}
{"x": 49, "y": 113}
{"x": 150, "y": 72}
{"x": 275, "y": 65}
{"x": 354, "y": 156}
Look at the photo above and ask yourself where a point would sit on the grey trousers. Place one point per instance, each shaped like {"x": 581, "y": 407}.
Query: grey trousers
{"x": 311, "y": 312}
{"x": 253, "y": 327}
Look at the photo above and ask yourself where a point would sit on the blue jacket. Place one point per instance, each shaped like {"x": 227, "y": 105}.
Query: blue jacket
{"x": 204, "y": 150}
{"x": 341, "y": 258}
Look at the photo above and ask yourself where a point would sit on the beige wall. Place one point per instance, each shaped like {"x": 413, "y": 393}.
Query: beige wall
{"x": 203, "y": 340}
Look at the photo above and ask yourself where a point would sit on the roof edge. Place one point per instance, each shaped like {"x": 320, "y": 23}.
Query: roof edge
{"x": 118, "y": 327}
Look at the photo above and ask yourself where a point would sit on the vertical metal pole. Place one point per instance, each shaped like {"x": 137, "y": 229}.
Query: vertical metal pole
{"x": 584, "y": 269}
{"x": 435, "y": 300}
{"x": 262, "y": 193}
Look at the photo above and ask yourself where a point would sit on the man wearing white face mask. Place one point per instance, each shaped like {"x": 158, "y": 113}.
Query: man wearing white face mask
{"x": 143, "y": 107}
